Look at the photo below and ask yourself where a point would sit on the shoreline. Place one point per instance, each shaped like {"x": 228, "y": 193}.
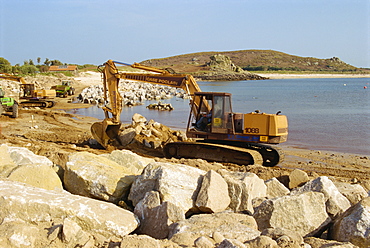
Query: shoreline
{"x": 290, "y": 76}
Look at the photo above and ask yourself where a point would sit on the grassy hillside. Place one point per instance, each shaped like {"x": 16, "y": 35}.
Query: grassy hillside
{"x": 255, "y": 60}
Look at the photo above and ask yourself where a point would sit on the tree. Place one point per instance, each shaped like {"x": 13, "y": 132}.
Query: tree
{"x": 43, "y": 68}
{"x": 5, "y": 65}
{"x": 28, "y": 69}
{"x": 38, "y": 60}
{"x": 55, "y": 62}
{"x": 47, "y": 62}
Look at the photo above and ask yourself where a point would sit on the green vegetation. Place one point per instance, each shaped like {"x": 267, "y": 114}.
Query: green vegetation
{"x": 29, "y": 67}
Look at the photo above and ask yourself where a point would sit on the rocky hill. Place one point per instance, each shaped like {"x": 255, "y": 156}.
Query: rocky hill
{"x": 252, "y": 60}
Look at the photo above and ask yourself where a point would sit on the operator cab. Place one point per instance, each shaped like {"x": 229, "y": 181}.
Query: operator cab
{"x": 211, "y": 113}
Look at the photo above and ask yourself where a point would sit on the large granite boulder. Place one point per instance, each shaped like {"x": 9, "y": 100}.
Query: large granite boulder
{"x": 354, "y": 225}
{"x": 297, "y": 178}
{"x": 42, "y": 176}
{"x": 23, "y": 156}
{"x": 98, "y": 177}
{"x": 353, "y": 192}
{"x": 228, "y": 225}
{"x": 336, "y": 203}
{"x": 156, "y": 217}
{"x": 213, "y": 195}
{"x": 175, "y": 183}
{"x": 304, "y": 213}
{"x": 133, "y": 162}
{"x": 243, "y": 188}
{"x": 275, "y": 188}
{"x": 35, "y": 217}
{"x": 22, "y": 165}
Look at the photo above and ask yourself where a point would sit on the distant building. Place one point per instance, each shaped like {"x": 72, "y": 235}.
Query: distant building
{"x": 60, "y": 68}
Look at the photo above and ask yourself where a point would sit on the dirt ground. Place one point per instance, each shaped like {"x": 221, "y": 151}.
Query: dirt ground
{"x": 55, "y": 134}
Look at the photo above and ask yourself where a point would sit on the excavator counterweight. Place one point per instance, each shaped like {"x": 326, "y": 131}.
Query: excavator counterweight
{"x": 221, "y": 135}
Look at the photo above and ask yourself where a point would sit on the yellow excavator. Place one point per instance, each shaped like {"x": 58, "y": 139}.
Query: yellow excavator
{"x": 29, "y": 95}
{"x": 220, "y": 134}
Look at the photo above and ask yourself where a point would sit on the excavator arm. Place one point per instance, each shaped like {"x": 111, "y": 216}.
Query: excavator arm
{"x": 106, "y": 132}
{"x": 111, "y": 77}
{"x": 12, "y": 78}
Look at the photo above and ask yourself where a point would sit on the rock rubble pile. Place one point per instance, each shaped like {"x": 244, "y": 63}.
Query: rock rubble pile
{"x": 121, "y": 199}
{"x": 149, "y": 134}
{"x": 133, "y": 93}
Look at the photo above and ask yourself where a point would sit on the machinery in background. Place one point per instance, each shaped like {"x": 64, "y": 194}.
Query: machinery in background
{"x": 221, "y": 135}
{"x": 29, "y": 95}
{"x": 64, "y": 90}
{"x": 8, "y": 104}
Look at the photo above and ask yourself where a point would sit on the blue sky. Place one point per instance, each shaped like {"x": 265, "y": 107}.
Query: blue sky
{"x": 91, "y": 32}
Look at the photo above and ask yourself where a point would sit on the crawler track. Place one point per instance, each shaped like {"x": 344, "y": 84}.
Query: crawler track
{"x": 271, "y": 155}
{"x": 37, "y": 103}
{"x": 213, "y": 152}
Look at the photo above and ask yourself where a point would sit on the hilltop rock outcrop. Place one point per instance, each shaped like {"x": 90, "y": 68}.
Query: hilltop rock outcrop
{"x": 222, "y": 69}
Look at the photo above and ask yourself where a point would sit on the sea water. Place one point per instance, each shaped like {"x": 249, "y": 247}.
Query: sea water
{"x": 331, "y": 114}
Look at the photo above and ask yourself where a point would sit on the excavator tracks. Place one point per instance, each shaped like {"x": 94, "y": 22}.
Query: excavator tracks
{"x": 212, "y": 152}
{"x": 272, "y": 155}
{"x": 37, "y": 103}
{"x": 227, "y": 152}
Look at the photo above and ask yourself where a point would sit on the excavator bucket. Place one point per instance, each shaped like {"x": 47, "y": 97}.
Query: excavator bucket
{"x": 106, "y": 132}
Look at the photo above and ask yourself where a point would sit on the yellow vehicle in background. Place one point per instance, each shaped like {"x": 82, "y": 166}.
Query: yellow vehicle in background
{"x": 221, "y": 135}
{"x": 29, "y": 95}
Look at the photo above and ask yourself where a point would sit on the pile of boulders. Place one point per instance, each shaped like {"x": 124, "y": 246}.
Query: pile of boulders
{"x": 150, "y": 134}
{"x": 121, "y": 199}
{"x": 133, "y": 93}
{"x": 10, "y": 88}
{"x": 160, "y": 106}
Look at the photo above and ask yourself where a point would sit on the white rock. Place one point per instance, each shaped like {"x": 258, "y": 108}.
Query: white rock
{"x": 229, "y": 225}
{"x": 353, "y": 192}
{"x": 42, "y": 176}
{"x": 297, "y": 178}
{"x": 153, "y": 213}
{"x": 213, "y": 196}
{"x": 36, "y": 206}
{"x": 336, "y": 203}
{"x": 354, "y": 225}
{"x": 243, "y": 188}
{"x": 140, "y": 241}
{"x": 95, "y": 176}
{"x": 275, "y": 188}
{"x": 176, "y": 183}
{"x": 130, "y": 160}
{"x": 22, "y": 165}
{"x": 137, "y": 119}
{"x": 23, "y": 156}
{"x": 304, "y": 213}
